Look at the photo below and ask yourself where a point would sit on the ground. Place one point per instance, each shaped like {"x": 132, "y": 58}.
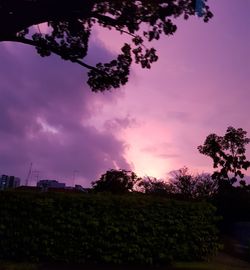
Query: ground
{"x": 222, "y": 261}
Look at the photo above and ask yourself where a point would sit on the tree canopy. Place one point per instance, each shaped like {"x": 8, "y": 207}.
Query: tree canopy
{"x": 71, "y": 22}
{"x": 188, "y": 185}
{"x": 115, "y": 181}
{"x": 228, "y": 153}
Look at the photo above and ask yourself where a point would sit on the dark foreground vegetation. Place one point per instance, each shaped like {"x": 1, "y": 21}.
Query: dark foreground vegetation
{"x": 104, "y": 229}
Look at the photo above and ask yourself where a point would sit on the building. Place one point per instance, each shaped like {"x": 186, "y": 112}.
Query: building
{"x": 48, "y": 184}
{"x": 8, "y": 182}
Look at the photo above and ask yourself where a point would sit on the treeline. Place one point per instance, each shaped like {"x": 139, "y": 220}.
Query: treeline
{"x": 182, "y": 184}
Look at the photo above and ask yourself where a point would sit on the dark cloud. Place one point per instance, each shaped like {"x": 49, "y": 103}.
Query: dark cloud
{"x": 45, "y": 106}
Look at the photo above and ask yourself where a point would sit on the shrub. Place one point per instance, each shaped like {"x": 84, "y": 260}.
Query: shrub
{"x": 102, "y": 228}
{"x": 233, "y": 204}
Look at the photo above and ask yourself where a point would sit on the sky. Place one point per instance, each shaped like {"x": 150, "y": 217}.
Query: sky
{"x": 201, "y": 84}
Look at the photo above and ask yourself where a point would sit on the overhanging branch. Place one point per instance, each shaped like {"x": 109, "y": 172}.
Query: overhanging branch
{"x": 53, "y": 50}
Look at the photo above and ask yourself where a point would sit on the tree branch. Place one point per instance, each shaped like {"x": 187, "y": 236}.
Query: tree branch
{"x": 34, "y": 44}
{"x": 105, "y": 19}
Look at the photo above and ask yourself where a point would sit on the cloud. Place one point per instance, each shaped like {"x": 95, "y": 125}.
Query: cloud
{"x": 45, "y": 108}
{"x": 163, "y": 151}
{"x": 178, "y": 116}
{"x": 167, "y": 156}
{"x": 120, "y": 123}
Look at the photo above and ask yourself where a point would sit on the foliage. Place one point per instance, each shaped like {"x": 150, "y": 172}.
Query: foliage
{"x": 228, "y": 154}
{"x": 233, "y": 204}
{"x": 115, "y": 181}
{"x": 104, "y": 229}
{"x": 206, "y": 186}
{"x": 188, "y": 185}
{"x": 181, "y": 184}
{"x": 149, "y": 185}
{"x": 72, "y": 21}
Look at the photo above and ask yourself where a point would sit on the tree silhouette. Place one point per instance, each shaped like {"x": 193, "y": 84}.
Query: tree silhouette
{"x": 228, "y": 153}
{"x": 115, "y": 181}
{"x": 154, "y": 186}
{"x": 71, "y": 22}
{"x": 183, "y": 182}
{"x": 189, "y": 185}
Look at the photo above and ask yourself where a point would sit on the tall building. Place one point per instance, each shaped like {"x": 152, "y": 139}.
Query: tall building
{"x": 7, "y": 182}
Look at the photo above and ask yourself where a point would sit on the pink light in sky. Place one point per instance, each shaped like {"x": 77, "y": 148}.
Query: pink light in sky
{"x": 199, "y": 86}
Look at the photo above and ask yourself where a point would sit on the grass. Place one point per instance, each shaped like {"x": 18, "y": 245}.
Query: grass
{"x": 17, "y": 266}
{"x": 221, "y": 262}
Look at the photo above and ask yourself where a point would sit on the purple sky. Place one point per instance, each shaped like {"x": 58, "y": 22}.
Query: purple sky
{"x": 200, "y": 85}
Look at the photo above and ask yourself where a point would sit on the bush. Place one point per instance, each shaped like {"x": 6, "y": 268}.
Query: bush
{"x": 233, "y": 204}
{"x": 104, "y": 228}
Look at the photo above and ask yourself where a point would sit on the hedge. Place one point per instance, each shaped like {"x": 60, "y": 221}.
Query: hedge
{"x": 233, "y": 205}
{"x": 104, "y": 228}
